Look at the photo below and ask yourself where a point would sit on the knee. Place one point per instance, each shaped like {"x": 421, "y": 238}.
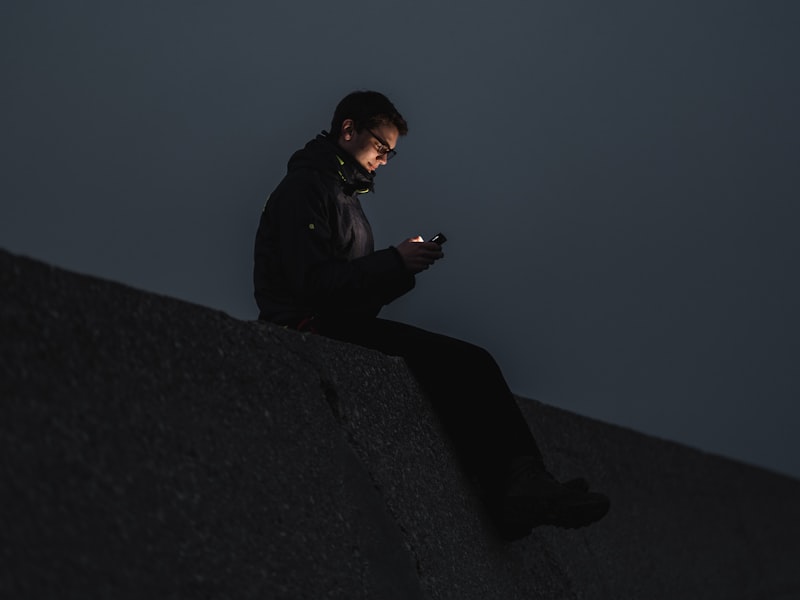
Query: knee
{"x": 476, "y": 355}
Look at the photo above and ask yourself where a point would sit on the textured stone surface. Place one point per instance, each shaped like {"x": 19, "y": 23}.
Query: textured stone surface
{"x": 156, "y": 448}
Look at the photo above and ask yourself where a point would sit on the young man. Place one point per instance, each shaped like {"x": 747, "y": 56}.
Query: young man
{"x": 316, "y": 269}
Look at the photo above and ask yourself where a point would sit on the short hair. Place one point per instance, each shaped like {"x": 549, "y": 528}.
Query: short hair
{"x": 368, "y": 109}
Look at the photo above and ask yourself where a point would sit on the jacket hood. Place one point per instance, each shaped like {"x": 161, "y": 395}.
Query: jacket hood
{"x": 324, "y": 155}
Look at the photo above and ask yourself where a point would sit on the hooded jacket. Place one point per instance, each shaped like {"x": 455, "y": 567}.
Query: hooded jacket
{"x": 314, "y": 249}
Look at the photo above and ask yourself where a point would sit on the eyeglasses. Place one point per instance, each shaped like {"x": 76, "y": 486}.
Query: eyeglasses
{"x": 384, "y": 149}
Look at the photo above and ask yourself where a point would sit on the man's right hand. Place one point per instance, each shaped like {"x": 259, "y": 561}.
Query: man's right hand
{"x": 418, "y": 255}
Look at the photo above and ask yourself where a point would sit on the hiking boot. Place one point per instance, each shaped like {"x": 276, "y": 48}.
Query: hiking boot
{"x": 533, "y": 498}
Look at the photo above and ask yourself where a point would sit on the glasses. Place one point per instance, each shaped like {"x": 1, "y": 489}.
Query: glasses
{"x": 383, "y": 149}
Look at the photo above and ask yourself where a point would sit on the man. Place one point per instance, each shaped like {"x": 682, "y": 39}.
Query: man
{"x": 316, "y": 270}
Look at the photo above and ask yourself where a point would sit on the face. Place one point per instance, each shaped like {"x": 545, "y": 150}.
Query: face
{"x": 369, "y": 146}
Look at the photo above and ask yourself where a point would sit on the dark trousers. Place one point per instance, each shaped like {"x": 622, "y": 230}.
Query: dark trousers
{"x": 464, "y": 385}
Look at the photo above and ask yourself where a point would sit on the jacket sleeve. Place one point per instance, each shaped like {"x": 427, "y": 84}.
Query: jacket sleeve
{"x": 318, "y": 269}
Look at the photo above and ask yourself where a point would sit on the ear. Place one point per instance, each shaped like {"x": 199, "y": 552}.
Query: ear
{"x": 348, "y": 129}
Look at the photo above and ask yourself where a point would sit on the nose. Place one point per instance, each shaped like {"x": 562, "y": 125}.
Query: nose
{"x": 382, "y": 159}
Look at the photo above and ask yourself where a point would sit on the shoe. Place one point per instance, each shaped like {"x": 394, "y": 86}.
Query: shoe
{"x": 533, "y": 497}
{"x": 579, "y": 484}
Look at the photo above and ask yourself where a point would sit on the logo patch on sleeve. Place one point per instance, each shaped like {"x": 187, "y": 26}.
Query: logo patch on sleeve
{"x": 311, "y": 226}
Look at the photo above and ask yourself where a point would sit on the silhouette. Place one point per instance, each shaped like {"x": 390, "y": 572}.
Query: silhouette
{"x": 316, "y": 269}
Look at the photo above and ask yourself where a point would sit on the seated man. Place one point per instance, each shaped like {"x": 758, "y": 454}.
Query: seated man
{"x": 316, "y": 269}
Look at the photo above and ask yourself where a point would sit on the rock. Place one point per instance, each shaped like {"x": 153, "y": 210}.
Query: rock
{"x": 152, "y": 447}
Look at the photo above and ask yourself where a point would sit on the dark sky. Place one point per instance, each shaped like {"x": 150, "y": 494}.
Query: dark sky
{"x": 618, "y": 181}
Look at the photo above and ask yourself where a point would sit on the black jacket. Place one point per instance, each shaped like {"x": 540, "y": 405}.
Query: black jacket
{"x": 314, "y": 249}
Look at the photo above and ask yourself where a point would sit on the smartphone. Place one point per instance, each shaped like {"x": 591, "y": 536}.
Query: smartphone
{"x": 439, "y": 238}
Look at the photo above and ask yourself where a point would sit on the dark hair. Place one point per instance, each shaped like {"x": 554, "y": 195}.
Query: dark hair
{"x": 368, "y": 109}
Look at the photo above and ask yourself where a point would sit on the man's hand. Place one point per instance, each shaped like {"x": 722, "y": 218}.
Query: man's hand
{"x": 418, "y": 254}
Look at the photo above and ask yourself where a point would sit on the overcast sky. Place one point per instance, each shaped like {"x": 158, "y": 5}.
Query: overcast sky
{"x": 618, "y": 180}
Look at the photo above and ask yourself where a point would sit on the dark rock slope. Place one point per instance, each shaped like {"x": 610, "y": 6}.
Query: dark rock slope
{"x": 153, "y": 448}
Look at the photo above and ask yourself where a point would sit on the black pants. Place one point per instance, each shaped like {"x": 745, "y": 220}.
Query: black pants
{"x": 464, "y": 385}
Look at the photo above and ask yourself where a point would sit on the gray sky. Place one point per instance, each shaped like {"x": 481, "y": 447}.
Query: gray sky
{"x": 617, "y": 180}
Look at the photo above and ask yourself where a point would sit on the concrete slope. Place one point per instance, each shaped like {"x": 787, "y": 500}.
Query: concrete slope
{"x": 153, "y": 448}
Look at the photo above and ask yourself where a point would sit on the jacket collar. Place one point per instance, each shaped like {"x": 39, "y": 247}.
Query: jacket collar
{"x": 323, "y": 154}
{"x": 354, "y": 177}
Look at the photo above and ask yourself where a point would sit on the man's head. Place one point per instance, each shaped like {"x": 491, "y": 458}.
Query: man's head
{"x": 367, "y": 125}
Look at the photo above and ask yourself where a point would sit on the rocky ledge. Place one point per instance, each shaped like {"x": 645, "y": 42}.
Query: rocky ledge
{"x": 154, "y": 448}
